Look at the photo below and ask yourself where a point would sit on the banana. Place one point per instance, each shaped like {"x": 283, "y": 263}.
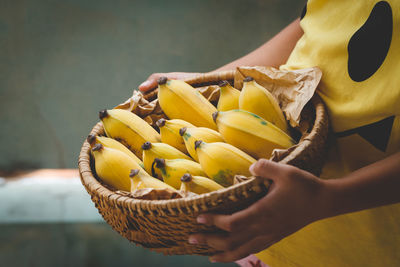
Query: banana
{"x": 173, "y": 169}
{"x": 251, "y": 133}
{"x": 111, "y": 143}
{"x": 113, "y": 166}
{"x": 180, "y": 100}
{"x": 140, "y": 179}
{"x": 128, "y": 128}
{"x": 169, "y": 131}
{"x": 258, "y": 100}
{"x": 228, "y": 97}
{"x": 159, "y": 150}
{"x": 191, "y": 134}
{"x": 222, "y": 161}
{"x": 198, "y": 184}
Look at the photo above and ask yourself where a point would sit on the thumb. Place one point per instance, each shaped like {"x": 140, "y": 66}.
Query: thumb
{"x": 268, "y": 169}
{"x": 150, "y": 83}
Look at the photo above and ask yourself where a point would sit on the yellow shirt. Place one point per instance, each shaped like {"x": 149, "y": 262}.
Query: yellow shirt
{"x": 357, "y": 46}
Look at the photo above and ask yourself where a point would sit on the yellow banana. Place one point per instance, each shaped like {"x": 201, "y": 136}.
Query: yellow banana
{"x": 173, "y": 169}
{"x": 251, "y": 133}
{"x": 159, "y": 150}
{"x": 228, "y": 97}
{"x": 198, "y": 184}
{"x": 113, "y": 167}
{"x": 258, "y": 100}
{"x": 140, "y": 179}
{"x": 180, "y": 100}
{"x": 128, "y": 128}
{"x": 222, "y": 161}
{"x": 111, "y": 143}
{"x": 169, "y": 131}
{"x": 191, "y": 134}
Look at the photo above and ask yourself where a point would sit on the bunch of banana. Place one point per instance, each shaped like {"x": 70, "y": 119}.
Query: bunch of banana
{"x": 180, "y": 100}
{"x": 159, "y": 150}
{"x": 247, "y": 125}
{"x": 258, "y": 100}
{"x": 128, "y": 128}
{"x": 141, "y": 179}
{"x": 198, "y": 184}
{"x": 191, "y": 134}
{"x": 169, "y": 131}
{"x": 173, "y": 169}
{"x": 251, "y": 133}
{"x": 113, "y": 167}
{"x": 111, "y": 143}
{"x": 228, "y": 97}
{"x": 222, "y": 161}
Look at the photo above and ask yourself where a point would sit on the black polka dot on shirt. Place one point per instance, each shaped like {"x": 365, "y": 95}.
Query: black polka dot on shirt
{"x": 304, "y": 11}
{"x": 368, "y": 47}
{"x": 377, "y": 133}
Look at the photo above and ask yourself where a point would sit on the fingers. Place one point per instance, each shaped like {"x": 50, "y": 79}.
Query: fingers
{"x": 222, "y": 241}
{"x": 147, "y": 85}
{"x": 269, "y": 169}
{"x": 253, "y": 246}
{"x": 151, "y": 82}
{"x": 250, "y": 261}
{"x": 231, "y": 223}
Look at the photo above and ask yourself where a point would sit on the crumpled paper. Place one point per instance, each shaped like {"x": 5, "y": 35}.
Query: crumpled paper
{"x": 150, "y": 111}
{"x": 155, "y": 194}
{"x": 211, "y": 92}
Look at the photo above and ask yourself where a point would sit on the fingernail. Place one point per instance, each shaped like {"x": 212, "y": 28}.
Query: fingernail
{"x": 193, "y": 240}
{"x": 252, "y": 167}
{"x": 201, "y": 219}
{"x": 145, "y": 84}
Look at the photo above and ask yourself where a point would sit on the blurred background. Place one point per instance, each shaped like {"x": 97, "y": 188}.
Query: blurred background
{"x": 63, "y": 61}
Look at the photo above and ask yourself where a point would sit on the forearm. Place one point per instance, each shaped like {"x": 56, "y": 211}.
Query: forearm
{"x": 273, "y": 53}
{"x": 375, "y": 185}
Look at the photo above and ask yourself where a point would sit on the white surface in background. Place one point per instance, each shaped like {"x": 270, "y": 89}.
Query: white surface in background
{"x": 50, "y": 199}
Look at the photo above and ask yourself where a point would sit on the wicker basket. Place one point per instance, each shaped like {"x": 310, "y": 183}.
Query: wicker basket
{"x": 164, "y": 225}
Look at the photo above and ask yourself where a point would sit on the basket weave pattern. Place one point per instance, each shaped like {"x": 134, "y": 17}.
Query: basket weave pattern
{"x": 164, "y": 225}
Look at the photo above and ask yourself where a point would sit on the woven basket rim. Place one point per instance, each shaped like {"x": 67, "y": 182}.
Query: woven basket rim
{"x": 93, "y": 184}
{"x": 219, "y": 192}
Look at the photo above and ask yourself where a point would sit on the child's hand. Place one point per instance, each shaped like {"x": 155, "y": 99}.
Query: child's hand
{"x": 151, "y": 81}
{"x": 294, "y": 200}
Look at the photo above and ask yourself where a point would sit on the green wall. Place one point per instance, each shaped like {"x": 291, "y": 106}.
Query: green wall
{"x": 63, "y": 61}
